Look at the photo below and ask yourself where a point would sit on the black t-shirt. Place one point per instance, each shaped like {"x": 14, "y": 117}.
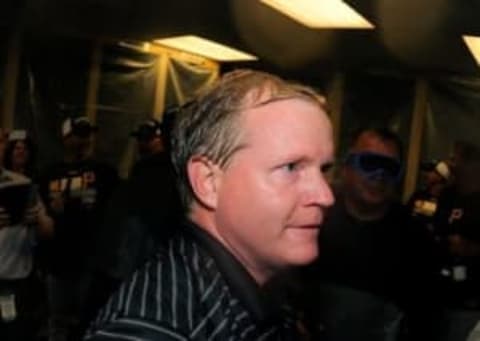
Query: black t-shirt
{"x": 155, "y": 199}
{"x": 459, "y": 214}
{"x": 85, "y": 188}
{"x": 142, "y": 216}
{"x": 366, "y": 271}
{"x": 388, "y": 257}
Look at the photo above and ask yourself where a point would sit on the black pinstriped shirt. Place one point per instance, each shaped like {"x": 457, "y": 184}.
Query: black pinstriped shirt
{"x": 194, "y": 290}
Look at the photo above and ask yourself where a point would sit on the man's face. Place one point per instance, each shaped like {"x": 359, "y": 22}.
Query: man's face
{"x": 20, "y": 153}
{"x": 273, "y": 193}
{"x": 370, "y": 191}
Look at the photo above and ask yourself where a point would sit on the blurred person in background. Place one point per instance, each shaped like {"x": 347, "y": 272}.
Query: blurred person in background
{"x": 23, "y": 220}
{"x": 146, "y": 209}
{"x": 20, "y": 154}
{"x": 76, "y": 192}
{"x": 458, "y": 222}
{"x": 20, "y": 157}
{"x": 436, "y": 177}
{"x": 152, "y": 182}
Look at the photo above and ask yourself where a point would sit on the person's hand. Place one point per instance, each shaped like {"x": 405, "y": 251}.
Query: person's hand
{"x": 57, "y": 204}
{"x": 4, "y": 218}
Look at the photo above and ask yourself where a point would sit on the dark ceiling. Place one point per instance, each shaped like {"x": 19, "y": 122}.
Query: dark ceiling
{"x": 411, "y": 36}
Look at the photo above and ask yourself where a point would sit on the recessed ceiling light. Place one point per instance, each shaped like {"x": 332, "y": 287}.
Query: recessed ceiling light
{"x": 321, "y": 13}
{"x": 206, "y": 48}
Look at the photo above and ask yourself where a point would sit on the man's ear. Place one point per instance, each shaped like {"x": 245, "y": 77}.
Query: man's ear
{"x": 204, "y": 179}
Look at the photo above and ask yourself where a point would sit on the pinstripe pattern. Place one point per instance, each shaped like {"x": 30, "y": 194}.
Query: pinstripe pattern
{"x": 183, "y": 295}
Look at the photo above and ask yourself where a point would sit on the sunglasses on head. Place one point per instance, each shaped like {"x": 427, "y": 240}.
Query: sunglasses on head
{"x": 375, "y": 166}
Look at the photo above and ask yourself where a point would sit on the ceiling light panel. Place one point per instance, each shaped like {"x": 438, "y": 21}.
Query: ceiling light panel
{"x": 473, "y": 44}
{"x": 206, "y": 48}
{"x": 321, "y": 13}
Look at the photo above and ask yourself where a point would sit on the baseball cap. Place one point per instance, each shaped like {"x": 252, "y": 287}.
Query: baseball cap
{"x": 78, "y": 126}
{"x": 443, "y": 170}
{"x": 147, "y": 130}
{"x": 440, "y": 167}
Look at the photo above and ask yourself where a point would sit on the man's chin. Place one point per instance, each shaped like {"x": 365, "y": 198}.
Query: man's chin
{"x": 375, "y": 197}
{"x": 303, "y": 256}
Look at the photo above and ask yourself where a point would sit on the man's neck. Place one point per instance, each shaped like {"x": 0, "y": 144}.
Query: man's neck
{"x": 206, "y": 220}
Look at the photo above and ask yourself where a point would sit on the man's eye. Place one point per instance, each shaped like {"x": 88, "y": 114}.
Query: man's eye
{"x": 291, "y": 166}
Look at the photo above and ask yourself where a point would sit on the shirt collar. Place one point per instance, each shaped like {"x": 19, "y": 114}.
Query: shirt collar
{"x": 256, "y": 300}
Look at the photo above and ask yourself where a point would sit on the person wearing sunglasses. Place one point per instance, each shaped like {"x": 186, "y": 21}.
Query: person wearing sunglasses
{"x": 371, "y": 177}
{"x": 365, "y": 279}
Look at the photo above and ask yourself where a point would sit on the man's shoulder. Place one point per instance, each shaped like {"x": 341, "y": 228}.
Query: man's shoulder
{"x": 181, "y": 292}
{"x": 177, "y": 289}
{"x": 179, "y": 272}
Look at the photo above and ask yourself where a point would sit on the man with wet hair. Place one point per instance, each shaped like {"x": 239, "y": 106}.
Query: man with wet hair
{"x": 250, "y": 154}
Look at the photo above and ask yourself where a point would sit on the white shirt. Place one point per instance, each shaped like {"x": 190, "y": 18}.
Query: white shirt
{"x": 16, "y": 241}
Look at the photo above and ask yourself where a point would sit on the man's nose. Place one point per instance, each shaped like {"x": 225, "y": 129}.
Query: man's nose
{"x": 321, "y": 192}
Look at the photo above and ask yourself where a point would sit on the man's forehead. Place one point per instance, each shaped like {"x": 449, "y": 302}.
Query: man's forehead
{"x": 290, "y": 131}
{"x": 369, "y": 141}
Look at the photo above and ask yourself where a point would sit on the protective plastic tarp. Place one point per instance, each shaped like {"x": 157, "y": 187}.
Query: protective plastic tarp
{"x": 376, "y": 101}
{"x": 52, "y": 86}
{"x": 454, "y": 115}
{"x": 126, "y": 95}
{"x": 185, "y": 80}
{"x": 53, "y": 83}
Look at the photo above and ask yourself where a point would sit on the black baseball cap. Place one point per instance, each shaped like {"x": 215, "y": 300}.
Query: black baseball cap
{"x": 78, "y": 126}
{"x": 147, "y": 130}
